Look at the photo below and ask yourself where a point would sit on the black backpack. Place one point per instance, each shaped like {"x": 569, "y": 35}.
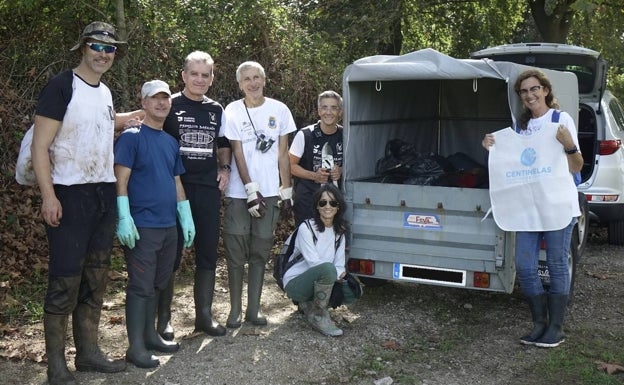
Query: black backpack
{"x": 285, "y": 259}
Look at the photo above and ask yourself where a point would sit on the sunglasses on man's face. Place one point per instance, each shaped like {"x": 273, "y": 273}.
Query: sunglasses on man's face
{"x": 99, "y": 47}
{"x": 323, "y": 203}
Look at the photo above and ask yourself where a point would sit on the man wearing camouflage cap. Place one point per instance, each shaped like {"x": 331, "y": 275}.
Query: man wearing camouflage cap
{"x": 72, "y": 156}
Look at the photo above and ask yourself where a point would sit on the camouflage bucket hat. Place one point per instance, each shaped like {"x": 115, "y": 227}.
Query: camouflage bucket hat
{"x": 99, "y": 31}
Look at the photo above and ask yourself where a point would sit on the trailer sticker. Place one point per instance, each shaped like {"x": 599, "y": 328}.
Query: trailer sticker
{"x": 421, "y": 221}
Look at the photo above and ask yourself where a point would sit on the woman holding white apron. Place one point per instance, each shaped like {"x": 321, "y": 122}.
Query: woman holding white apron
{"x": 534, "y": 164}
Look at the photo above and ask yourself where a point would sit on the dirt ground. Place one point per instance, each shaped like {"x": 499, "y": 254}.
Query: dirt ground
{"x": 397, "y": 333}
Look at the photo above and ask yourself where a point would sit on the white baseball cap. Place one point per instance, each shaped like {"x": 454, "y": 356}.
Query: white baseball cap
{"x": 154, "y": 87}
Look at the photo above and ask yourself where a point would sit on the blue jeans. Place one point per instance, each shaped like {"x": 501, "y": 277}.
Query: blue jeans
{"x": 527, "y": 256}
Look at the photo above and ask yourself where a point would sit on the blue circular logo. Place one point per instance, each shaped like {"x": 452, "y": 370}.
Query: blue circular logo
{"x": 528, "y": 156}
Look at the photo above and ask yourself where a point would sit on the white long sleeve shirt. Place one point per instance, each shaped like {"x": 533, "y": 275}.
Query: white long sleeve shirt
{"x": 314, "y": 254}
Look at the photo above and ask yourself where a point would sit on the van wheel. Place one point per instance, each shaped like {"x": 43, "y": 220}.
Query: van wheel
{"x": 573, "y": 260}
{"x": 582, "y": 227}
{"x": 616, "y": 233}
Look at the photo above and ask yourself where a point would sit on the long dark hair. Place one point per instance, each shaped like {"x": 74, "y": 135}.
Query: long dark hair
{"x": 339, "y": 223}
{"x": 541, "y": 77}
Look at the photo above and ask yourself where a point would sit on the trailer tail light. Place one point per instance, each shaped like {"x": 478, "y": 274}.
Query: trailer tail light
{"x": 608, "y": 147}
{"x": 481, "y": 280}
{"x": 603, "y": 198}
{"x": 361, "y": 266}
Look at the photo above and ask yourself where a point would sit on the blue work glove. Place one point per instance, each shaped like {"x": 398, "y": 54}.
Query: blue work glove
{"x": 186, "y": 222}
{"x": 126, "y": 230}
{"x": 255, "y": 201}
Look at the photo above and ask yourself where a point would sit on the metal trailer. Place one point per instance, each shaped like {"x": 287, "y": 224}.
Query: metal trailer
{"x": 422, "y": 233}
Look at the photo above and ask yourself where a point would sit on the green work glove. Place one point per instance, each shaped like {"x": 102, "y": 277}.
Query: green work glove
{"x": 126, "y": 230}
{"x": 186, "y": 222}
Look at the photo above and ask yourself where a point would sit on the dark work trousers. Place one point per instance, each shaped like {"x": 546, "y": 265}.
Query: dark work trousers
{"x": 302, "y": 207}
{"x": 150, "y": 262}
{"x": 206, "y": 209}
{"x": 84, "y": 238}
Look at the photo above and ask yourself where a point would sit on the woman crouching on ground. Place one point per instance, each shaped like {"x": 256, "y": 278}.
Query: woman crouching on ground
{"x": 321, "y": 241}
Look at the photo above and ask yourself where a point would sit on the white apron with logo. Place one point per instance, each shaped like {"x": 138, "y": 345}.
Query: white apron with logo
{"x": 531, "y": 188}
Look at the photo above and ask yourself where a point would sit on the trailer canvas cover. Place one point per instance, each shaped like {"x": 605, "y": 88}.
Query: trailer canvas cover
{"x": 419, "y": 103}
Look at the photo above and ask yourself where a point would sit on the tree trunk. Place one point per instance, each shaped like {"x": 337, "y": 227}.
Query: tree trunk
{"x": 552, "y": 18}
{"x": 122, "y": 32}
{"x": 394, "y": 42}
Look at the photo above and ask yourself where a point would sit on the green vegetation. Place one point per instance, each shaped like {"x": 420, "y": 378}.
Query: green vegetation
{"x": 23, "y": 303}
{"x": 304, "y": 46}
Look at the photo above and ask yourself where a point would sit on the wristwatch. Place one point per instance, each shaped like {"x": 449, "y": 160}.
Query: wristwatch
{"x": 226, "y": 167}
{"x": 572, "y": 151}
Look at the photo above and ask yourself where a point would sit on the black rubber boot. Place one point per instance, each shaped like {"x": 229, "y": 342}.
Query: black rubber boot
{"x": 539, "y": 313}
{"x": 553, "y": 336}
{"x": 235, "y": 284}
{"x": 86, "y": 322}
{"x": 153, "y": 340}
{"x": 163, "y": 325}
{"x": 55, "y": 329}
{"x": 254, "y": 292}
{"x": 203, "y": 292}
{"x": 135, "y": 325}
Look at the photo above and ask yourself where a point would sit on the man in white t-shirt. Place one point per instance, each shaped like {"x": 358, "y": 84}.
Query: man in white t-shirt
{"x": 258, "y": 129}
{"x": 72, "y": 157}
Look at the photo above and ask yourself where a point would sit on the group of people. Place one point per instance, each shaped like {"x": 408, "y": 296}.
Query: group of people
{"x": 159, "y": 188}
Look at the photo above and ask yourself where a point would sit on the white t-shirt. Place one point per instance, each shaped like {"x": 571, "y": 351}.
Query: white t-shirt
{"x": 82, "y": 150}
{"x": 272, "y": 119}
{"x": 298, "y": 144}
{"x": 531, "y": 188}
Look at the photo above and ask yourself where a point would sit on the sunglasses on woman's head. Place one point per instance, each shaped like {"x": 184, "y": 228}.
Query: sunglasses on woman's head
{"x": 323, "y": 203}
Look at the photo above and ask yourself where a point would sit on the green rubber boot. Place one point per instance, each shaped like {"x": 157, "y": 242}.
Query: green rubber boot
{"x": 254, "y": 292}
{"x": 55, "y": 329}
{"x": 86, "y": 323}
{"x": 317, "y": 315}
{"x": 235, "y": 284}
{"x": 203, "y": 292}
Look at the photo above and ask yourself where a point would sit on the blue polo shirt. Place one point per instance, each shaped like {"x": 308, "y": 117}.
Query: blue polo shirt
{"x": 154, "y": 158}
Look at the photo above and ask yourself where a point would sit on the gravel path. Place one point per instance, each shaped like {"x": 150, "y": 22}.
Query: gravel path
{"x": 420, "y": 334}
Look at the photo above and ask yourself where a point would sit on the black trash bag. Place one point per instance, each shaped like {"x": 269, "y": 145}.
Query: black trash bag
{"x": 401, "y": 158}
{"x": 395, "y": 158}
